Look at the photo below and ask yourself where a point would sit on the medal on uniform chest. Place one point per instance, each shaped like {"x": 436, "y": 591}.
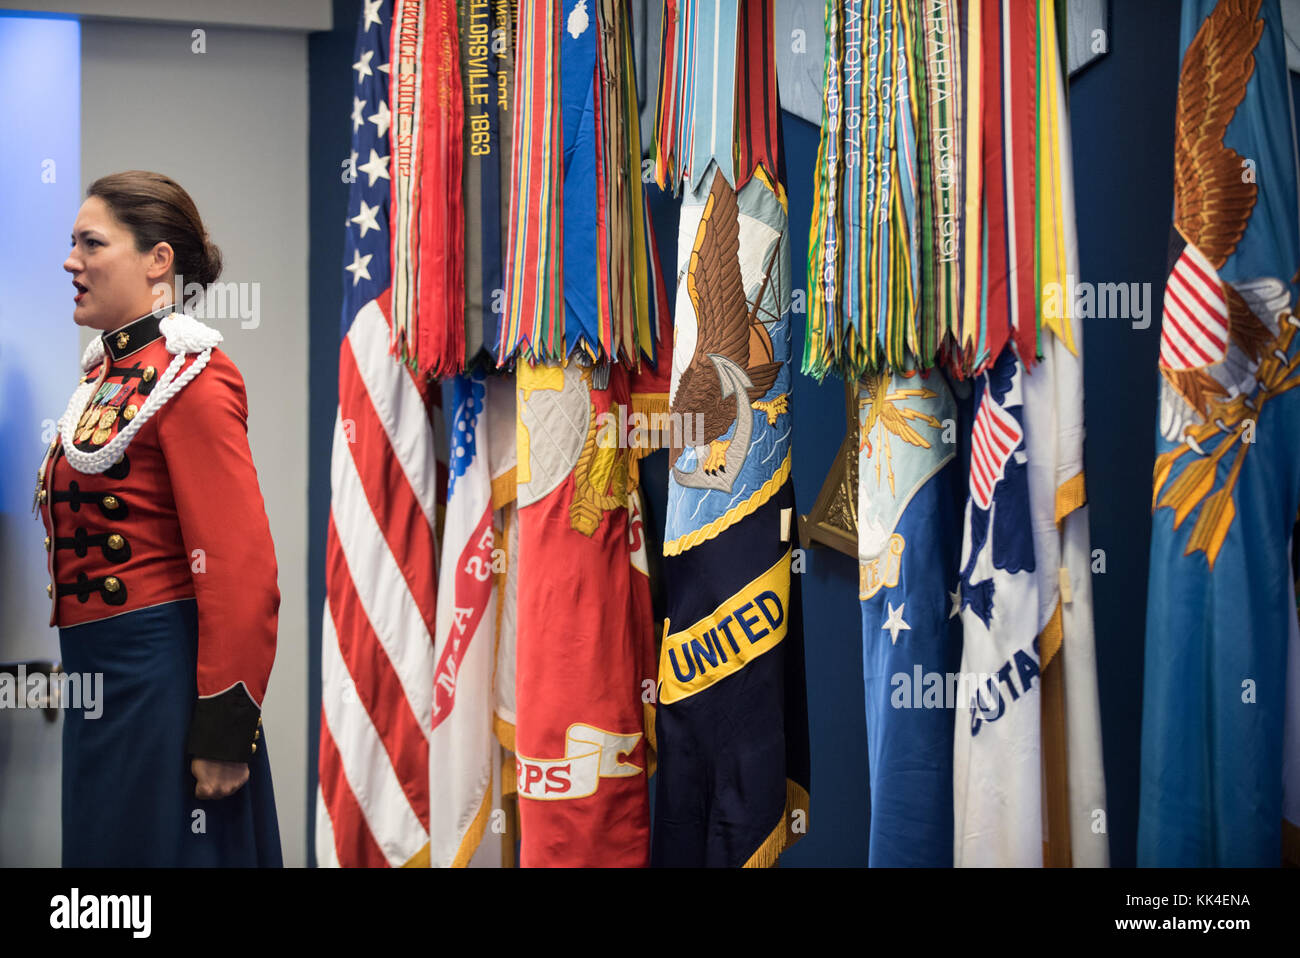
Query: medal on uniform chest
{"x": 117, "y": 402}
{"x": 86, "y": 425}
{"x": 85, "y": 419}
{"x": 96, "y": 422}
{"x": 109, "y": 410}
{"x": 105, "y": 427}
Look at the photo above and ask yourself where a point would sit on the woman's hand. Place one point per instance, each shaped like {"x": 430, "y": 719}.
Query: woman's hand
{"x": 218, "y": 779}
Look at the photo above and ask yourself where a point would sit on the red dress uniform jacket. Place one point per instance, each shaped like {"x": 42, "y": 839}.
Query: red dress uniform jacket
{"x": 178, "y": 515}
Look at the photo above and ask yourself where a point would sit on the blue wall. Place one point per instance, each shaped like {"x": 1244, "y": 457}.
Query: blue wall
{"x": 1122, "y": 111}
{"x": 1122, "y": 121}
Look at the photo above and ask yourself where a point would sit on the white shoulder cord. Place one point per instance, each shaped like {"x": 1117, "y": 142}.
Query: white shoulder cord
{"x": 183, "y": 334}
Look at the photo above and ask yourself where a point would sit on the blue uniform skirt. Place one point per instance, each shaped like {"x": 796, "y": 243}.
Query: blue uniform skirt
{"x": 128, "y": 794}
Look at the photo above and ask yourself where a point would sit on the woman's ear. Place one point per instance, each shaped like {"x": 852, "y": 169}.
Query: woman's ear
{"x": 159, "y": 262}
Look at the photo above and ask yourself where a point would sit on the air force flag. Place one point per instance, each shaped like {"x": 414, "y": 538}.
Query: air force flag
{"x": 909, "y": 542}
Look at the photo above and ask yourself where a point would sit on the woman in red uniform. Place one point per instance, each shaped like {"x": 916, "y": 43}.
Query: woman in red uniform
{"x": 162, "y": 569}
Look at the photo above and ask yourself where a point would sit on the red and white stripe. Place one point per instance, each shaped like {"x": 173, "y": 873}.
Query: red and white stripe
{"x": 1194, "y": 332}
{"x": 377, "y": 659}
{"x": 994, "y": 438}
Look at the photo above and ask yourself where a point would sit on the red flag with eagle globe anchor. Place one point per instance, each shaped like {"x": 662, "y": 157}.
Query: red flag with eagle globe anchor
{"x": 585, "y": 641}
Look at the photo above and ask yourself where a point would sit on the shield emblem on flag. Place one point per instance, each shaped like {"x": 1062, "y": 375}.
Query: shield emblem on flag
{"x": 554, "y": 417}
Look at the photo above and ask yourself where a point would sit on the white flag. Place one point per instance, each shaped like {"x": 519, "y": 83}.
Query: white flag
{"x": 1055, "y": 427}
{"x": 997, "y": 778}
{"x": 462, "y": 745}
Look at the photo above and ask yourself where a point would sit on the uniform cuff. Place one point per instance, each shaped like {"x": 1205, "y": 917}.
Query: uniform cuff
{"x": 225, "y": 727}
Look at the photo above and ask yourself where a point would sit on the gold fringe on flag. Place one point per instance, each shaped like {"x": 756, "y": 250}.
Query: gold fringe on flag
{"x": 784, "y": 834}
{"x": 649, "y": 405}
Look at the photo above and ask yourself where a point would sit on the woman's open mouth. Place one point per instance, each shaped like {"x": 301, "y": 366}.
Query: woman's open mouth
{"x": 81, "y": 291}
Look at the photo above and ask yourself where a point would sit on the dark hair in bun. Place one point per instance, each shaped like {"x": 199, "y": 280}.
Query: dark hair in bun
{"x": 156, "y": 210}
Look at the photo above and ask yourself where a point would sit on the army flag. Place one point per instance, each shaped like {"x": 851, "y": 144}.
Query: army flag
{"x": 1225, "y": 496}
{"x": 910, "y": 499}
{"x": 584, "y": 638}
{"x": 462, "y": 749}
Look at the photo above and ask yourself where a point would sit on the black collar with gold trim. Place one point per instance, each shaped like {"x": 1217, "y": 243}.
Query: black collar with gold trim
{"x": 135, "y": 335}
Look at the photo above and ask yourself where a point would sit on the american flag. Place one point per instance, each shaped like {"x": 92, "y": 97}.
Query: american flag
{"x": 377, "y": 658}
{"x": 994, "y": 437}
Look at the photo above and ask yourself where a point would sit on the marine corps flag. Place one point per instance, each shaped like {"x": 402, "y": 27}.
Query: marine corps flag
{"x": 1220, "y": 613}
{"x": 732, "y": 719}
{"x": 585, "y": 638}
